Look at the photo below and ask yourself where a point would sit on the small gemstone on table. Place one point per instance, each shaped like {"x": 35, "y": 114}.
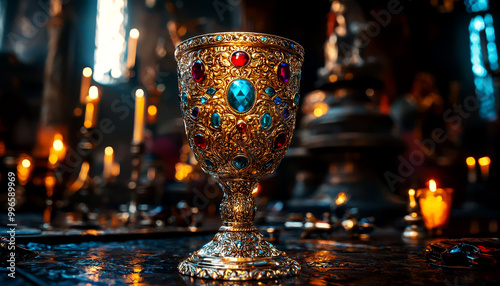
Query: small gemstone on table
{"x": 241, "y": 126}
{"x": 280, "y": 141}
{"x": 239, "y": 58}
{"x": 283, "y": 72}
{"x": 277, "y": 100}
{"x": 198, "y": 71}
{"x": 240, "y": 162}
{"x": 200, "y": 141}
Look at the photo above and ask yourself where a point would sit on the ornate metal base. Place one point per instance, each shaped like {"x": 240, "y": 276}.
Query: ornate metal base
{"x": 239, "y": 254}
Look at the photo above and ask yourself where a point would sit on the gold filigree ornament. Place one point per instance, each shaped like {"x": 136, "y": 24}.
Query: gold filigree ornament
{"x": 239, "y": 96}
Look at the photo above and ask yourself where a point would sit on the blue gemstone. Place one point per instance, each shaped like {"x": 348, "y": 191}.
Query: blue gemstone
{"x": 240, "y": 162}
{"x": 218, "y": 38}
{"x": 194, "y": 112}
{"x": 238, "y": 244}
{"x": 269, "y": 164}
{"x": 277, "y": 100}
{"x": 211, "y": 91}
{"x": 215, "y": 119}
{"x": 270, "y": 91}
{"x": 264, "y": 39}
{"x": 296, "y": 99}
{"x": 286, "y": 112}
{"x": 241, "y": 95}
{"x": 292, "y": 45}
{"x": 203, "y": 99}
{"x": 209, "y": 164}
{"x": 266, "y": 121}
{"x": 184, "y": 98}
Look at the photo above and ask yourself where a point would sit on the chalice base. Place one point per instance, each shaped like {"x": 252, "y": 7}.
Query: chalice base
{"x": 237, "y": 253}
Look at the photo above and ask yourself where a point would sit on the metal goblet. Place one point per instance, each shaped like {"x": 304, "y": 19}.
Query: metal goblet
{"x": 239, "y": 96}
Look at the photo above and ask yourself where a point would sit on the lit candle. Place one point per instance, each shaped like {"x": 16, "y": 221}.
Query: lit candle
{"x": 484, "y": 164}
{"x": 115, "y": 170}
{"x": 108, "y": 163}
{"x": 471, "y": 165}
{"x": 435, "y": 204}
{"x": 57, "y": 151}
{"x": 85, "y": 85}
{"x": 91, "y": 107}
{"x": 138, "y": 135}
{"x": 152, "y": 111}
{"x": 413, "y": 202}
{"x": 132, "y": 47}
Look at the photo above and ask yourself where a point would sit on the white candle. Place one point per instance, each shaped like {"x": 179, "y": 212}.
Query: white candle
{"x": 138, "y": 135}
{"x": 91, "y": 108}
{"x": 85, "y": 84}
{"x": 108, "y": 163}
{"x": 132, "y": 48}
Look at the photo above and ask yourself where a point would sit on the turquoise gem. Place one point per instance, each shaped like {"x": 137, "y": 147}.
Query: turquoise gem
{"x": 264, "y": 39}
{"x": 238, "y": 244}
{"x": 203, "y": 100}
{"x": 270, "y": 91}
{"x": 296, "y": 99}
{"x": 209, "y": 164}
{"x": 215, "y": 120}
{"x": 211, "y": 91}
{"x": 184, "y": 98}
{"x": 269, "y": 164}
{"x": 218, "y": 38}
{"x": 240, "y": 162}
{"x": 241, "y": 95}
{"x": 266, "y": 121}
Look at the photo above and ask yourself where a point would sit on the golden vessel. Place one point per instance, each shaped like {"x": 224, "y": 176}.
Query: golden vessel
{"x": 239, "y": 96}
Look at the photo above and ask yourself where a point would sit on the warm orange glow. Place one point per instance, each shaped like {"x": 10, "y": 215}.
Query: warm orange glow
{"x": 93, "y": 92}
{"x": 50, "y": 182}
{"x": 182, "y": 171}
{"x": 53, "y": 159}
{"x": 132, "y": 48}
{"x": 341, "y": 199}
{"x": 87, "y": 72}
{"x": 89, "y": 115}
{"x": 134, "y": 33}
{"x": 332, "y": 78}
{"x": 320, "y": 109}
{"x": 181, "y": 31}
{"x": 152, "y": 110}
{"x": 484, "y": 161}
{"x": 470, "y": 161}
{"x": 255, "y": 190}
{"x": 138, "y": 135}
{"x": 115, "y": 170}
{"x": 82, "y": 177}
{"x": 108, "y": 162}
{"x": 26, "y": 163}
{"x": 411, "y": 195}
{"x": 85, "y": 84}
{"x": 432, "y": 185}
{"x": 108, "y": 151}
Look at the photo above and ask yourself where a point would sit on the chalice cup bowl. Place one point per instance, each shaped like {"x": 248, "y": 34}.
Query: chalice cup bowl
{"x": 239, "y": 96}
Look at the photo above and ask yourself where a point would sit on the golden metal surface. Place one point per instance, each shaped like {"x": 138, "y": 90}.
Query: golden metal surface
{"x": 238, "y": 251}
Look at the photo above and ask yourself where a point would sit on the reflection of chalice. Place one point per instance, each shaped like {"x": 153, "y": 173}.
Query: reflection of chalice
{"x": 239, "y": 97}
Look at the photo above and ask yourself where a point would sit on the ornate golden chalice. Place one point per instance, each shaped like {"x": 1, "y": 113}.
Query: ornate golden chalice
{"x": 239, "y": 96}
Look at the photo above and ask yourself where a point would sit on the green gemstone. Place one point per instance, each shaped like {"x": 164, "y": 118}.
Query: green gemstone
{"x": 266, "y": 121}
{"x": 209, "y": 164}
{"x": 241, "y": 95}
{"x": 184, "y": 98}
{"x": 270, "y": 91}
{"x": 215, "y": 119}
{"x": 240, "y": 162}
{"x": 211, "y": 91}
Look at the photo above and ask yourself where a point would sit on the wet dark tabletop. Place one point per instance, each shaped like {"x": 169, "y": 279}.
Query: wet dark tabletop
{"x": 383, "y": 260}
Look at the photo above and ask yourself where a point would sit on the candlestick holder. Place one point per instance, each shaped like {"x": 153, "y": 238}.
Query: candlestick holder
{"x": 137, "y": 150}
{"x": 238, "y": 94}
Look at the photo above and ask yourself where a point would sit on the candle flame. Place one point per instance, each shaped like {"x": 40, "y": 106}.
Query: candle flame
{"x": 139, "y": 92}
{"x": 320, "y": 109}
{"x": 134, "y": 33}
{"x": 26, "y": 163}
{"x": 108, "y": 151}
{"x": 470, "y": 161}
{"x": 58, "y": 144}
{"x": 152, "y": 110}
{"x": 484, "y": 161}
{"x": 432, "y": 185}
{"x": 255, "y": 190}
{"x": 87, "y": 72}
{"x": 341, "y": 199}
{"x": 411, "y": 192}
{"x": 93, "y": 92}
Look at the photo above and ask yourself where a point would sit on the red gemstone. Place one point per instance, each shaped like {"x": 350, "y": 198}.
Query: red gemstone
{"x": 239, "y": 58}
{"x": 200, "y": 141}
{"x": 283, "y": 72}
{"x": 280, "y": 141}
{"x": 242, "y": 127}
{"x": 198, "y": 71}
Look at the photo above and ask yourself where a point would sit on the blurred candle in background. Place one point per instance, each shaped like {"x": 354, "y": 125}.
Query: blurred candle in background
{"x": 138, "y": 135}
{"x": 57, "y": 151}
{"x": 412, "y": 201}
{"x": 132, "y": 48}
{"x": 435, "y": 204}
{"x": 115, "y": 169}
{"x": 108, "y": 163}
{"x": 152, "y": 111}
{"x": 484, "y": 164}
{"x": 85, "y": 84}
{"x": 471, "y": 165}
{"x": 91, "y": 107}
